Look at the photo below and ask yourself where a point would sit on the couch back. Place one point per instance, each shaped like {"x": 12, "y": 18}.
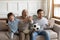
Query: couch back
{"x": 3, "y": 25}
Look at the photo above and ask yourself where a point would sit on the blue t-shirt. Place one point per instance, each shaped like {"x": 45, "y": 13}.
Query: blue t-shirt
{"x": 13, "y": 25}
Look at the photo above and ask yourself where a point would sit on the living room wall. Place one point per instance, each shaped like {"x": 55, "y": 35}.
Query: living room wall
{"x": 16, "y": 6}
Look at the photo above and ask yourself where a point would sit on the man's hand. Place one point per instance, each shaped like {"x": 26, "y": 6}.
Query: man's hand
{"x": 30, "y": 18}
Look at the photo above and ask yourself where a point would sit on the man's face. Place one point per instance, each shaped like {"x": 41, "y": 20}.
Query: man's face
{"x": 25, "y": 13}
{"x": 40, "y": 14}
{"x": 11, "y": 18}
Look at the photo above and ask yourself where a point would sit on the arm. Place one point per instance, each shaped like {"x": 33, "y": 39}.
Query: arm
{"x": 30, "y": 19}
{"x": 56, "y": 28}
{"x": 30, "y": 23}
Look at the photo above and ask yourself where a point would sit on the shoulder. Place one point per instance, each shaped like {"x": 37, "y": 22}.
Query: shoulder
{"x": 9, "y": 22}
{"x": 44, "y": 19}
{"x": 17, "y": 20}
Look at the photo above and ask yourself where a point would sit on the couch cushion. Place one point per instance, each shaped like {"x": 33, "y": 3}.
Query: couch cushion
{"x": 40, "y": 38}
{"x": 3, "y": 36}
{"x": 3, "y": 25}
{"x": 54, "y": 39}
{"x": 53, "y": 34}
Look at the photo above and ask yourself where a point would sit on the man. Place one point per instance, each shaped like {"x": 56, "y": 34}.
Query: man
{"x": 43, "y": 22}
{"x": 25, "y": 22}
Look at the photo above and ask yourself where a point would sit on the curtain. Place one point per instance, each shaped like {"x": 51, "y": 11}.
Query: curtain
{"x": 49, "y": 9}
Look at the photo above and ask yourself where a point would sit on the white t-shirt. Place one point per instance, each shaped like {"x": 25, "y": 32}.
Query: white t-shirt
{"x": 42, "y": 22}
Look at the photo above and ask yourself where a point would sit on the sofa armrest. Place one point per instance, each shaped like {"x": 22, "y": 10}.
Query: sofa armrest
{"x": 56, "y": 28}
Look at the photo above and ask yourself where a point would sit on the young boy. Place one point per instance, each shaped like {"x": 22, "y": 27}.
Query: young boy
{"x": 12, "y": 24}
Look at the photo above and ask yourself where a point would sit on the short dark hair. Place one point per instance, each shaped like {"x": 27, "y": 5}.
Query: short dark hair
{"x": 39, "y": 10}
{"x": 9, "y": 14}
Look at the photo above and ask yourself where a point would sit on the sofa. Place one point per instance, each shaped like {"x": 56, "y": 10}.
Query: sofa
{"x": 54, "y": 31}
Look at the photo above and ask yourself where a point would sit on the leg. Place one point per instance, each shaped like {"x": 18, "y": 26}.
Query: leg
{"x": 45, "y": 34}
{"x": 11, "y": 35}
{"x": 27, "y": 37}
{"x": 34, "y": 35}
{"x": 22, "y": 36}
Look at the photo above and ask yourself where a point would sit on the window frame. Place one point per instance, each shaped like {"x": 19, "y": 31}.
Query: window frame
{"x": 54, "y": 5}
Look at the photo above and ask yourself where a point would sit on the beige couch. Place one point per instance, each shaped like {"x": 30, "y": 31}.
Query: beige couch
{"x": 54, "y": 31}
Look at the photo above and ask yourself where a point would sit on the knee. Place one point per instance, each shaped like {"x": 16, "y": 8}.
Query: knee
{"x": 46, "y": 33}
{"x": 34, "y": 34}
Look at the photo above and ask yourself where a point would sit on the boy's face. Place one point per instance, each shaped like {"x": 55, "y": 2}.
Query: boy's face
{"x": 40, "y": 14}
{"x": 11, "y": 18}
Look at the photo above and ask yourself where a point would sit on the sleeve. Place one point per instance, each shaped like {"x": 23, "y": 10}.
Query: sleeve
{"x": 46, "y": 23}
{"x": 30, "y": 24}
{"x": 18, "y": 20}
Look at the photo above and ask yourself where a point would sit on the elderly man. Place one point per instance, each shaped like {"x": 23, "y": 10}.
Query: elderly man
{"x": 25, "y": 22}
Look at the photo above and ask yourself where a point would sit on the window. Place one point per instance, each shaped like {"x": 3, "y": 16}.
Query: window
{"x": 56, "y": 8}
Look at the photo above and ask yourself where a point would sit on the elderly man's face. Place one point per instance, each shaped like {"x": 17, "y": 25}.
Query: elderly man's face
{"x": 40, "y": 14}
{"x": 25, "y": 13}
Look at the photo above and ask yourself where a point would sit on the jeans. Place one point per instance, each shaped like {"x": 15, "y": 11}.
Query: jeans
{"x": 43, "y": 33}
